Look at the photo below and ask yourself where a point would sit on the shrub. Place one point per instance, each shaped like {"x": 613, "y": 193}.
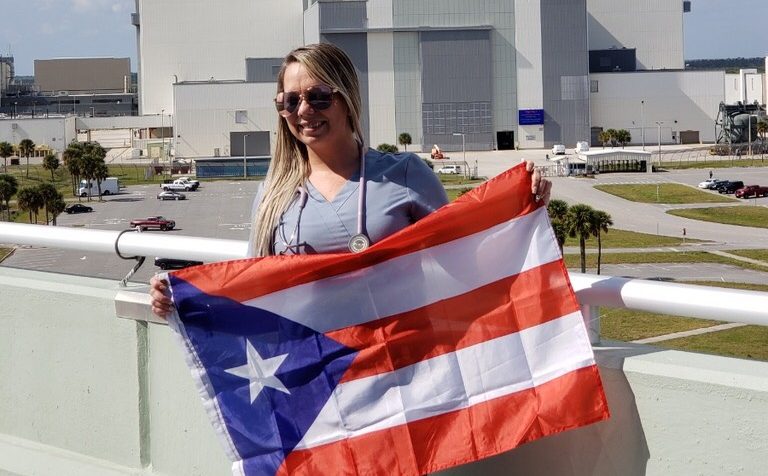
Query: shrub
{"x": 387, "y": 148}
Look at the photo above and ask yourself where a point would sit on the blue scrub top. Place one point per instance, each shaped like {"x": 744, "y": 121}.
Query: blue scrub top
{"x": 400, "y": 190}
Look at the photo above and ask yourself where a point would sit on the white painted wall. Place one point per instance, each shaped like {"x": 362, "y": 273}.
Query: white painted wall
{"x": 381, "y": 87}
{"x": 530, "y": 92}
{"x": 653, "y": 27}
{"x": 56, "y": 133}
{"x": 747, "y": 87}
{"x": 205, "y": 115}
{"x": 379, "y": 13}
{"x": 691, "y": 98}
{"x": 196, "y": 40}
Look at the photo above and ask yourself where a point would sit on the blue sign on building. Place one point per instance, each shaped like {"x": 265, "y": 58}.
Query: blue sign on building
{"x": 530, "y": 117}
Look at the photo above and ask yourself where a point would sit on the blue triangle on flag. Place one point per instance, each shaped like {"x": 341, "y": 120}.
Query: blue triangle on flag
{"x": 219, "y": 330}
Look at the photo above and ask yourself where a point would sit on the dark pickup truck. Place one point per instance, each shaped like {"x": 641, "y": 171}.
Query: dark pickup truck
{"x": 730, "y": 187}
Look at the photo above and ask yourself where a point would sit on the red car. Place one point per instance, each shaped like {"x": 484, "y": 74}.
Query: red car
{"x": 752, "y": 191}
{"x": 158, "y": 222}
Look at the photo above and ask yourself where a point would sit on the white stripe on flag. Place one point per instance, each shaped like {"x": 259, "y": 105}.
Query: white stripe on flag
{"x": 417, "y": 279}
{"x": 453, "y": 381}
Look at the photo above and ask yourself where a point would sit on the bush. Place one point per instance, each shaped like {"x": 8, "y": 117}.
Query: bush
{"x": 387, "y": 148}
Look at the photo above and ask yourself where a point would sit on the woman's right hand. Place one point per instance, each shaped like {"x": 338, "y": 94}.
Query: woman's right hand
{"x": 161, "y": 302}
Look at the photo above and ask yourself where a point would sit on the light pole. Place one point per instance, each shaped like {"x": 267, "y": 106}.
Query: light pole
{"x": 162, "y": 138}
{"x": 749, "y": 140}
{"x": 642, "y": 121}
{"x": 658, "y": 124}
{"x": 245, "y": 164}
{"x": 463, "y": 147}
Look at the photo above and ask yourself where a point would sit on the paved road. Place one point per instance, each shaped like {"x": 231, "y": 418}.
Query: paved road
{"x": 217, "y": 210}
{"x": 222, "y": 210}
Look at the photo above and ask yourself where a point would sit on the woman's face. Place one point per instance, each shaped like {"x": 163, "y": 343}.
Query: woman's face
{"x": 320, "y": 130}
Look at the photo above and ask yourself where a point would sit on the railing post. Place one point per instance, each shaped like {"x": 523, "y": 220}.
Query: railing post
{"x": 591, "y": 316}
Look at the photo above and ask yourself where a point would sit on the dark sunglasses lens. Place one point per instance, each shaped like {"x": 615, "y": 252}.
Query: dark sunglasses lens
{"x": 291, "y": 102}
{"x": 319, "y": 97}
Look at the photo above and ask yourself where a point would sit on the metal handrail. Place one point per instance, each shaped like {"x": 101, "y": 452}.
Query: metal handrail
{"x": 703, "y": 302}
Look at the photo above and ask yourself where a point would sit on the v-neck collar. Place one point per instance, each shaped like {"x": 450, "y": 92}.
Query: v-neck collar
{"x": 347, "y": 190}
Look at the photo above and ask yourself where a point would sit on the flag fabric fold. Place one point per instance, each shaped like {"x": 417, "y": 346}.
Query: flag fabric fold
{"x": 453, "y": 340}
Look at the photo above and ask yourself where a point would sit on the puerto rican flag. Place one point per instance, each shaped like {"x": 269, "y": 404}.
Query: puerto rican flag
{"x": 456, "y": 339}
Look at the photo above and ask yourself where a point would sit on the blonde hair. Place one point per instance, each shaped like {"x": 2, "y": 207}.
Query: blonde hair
{"x": 289, "y": 167}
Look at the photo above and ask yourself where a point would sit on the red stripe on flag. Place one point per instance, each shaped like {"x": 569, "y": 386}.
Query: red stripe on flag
{"x": 497, "y": 309}
{"x": 501, "y": 199}
{"x": 462, "y": 436}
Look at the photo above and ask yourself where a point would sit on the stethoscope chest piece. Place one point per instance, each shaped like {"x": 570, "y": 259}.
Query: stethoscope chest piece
{"x": 359, "y": 243}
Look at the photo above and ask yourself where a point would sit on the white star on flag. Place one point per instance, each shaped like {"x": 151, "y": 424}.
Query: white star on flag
{"x": 259, "y": 372}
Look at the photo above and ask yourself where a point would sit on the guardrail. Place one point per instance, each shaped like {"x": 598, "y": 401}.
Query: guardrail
{"x": 704, "y": 302}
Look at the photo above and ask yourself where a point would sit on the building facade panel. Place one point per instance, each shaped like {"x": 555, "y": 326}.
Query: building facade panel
{"x": 407, "y": 76}
{"x": 381, "y": 81}
{"x": 530, "y": 91}
{"x": 83, "y": 75}
{"x": 657, "y": 106}
{"x": 653, "y": 27}
{"x": 198, "y": 40}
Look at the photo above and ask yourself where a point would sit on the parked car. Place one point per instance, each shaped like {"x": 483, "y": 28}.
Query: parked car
{"x": 711, "y": 183}
{"x": 178, "y": 185}
{"x": 730, "y": 186}
{"x": 156, "y": 222}
{"x": 171, "y": 195}
{"x": 752, "y": 191}
{"x": 449, "y": 169}
{"x": 171, "y": 263}
{"x": 78, "y": 208}
{"x": 558, "y": 149}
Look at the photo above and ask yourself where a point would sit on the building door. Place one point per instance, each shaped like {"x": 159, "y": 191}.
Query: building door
{"x": 505, "y": 140}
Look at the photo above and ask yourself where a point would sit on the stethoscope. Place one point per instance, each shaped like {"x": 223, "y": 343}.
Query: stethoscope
{"x": 359, "y": 241}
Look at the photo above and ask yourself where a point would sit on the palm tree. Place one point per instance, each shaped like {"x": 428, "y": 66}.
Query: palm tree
{"x": 6, "y": 150}
{"x": 578, "y": 225}
{"x": 56, "y": 207}
{"x": 404, "y": 139}
{"x": 599, "y": 225}
{"x": 612, "y": 136}
{"x": 623, "y": 137}
{"x": 100, "y": 173}
{"x": 8, "y": 188}
{"x": 50, "y": 162}
{"x": 26, "y": 148}
{"x": 558, "y": 213}
{"x": 48, "y": 193}
{"x": 30, "y": 200}
{"x": 604, "y": 137}
{"x": 73, "y": 161}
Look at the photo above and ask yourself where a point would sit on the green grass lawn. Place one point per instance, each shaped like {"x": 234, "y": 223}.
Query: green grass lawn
{"x": 662, "y": 193}
{"x": 749, "y": 342}
{"x": 616, "y": 238}
{"x": 761, "y": 255}
{"x": 721, "y": 163}
{"x": 742, "y": 216}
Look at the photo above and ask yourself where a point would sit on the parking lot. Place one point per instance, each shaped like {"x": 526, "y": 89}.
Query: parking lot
{"x": 216, "y": 210}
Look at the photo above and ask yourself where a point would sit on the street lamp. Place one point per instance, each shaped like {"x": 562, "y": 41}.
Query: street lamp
{"x": 245, "y": 165}
{"x": 642, "y": 121}
{"x": 749, "y": 140}
{"x": 658, "y": 124}
{"x": 463, "y": 146}
{"x": 162, "y": 137}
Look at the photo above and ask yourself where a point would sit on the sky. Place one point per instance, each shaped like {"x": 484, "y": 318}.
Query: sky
{"x": 45, "y": 29}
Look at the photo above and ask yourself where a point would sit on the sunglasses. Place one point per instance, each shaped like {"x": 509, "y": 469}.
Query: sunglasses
{"x": 319, "y": 97}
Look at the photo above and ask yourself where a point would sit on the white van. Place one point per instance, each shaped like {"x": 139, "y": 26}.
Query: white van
{"x": 582, "y": 146}
{"x": 449, "y": 169}
{"x": 558, "y": 149}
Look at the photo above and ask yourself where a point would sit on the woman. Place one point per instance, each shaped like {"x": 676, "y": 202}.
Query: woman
{"x": 323, "y": 192}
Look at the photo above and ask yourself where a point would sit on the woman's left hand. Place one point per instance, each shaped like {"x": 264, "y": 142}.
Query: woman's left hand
{"x": 540, "y": 187}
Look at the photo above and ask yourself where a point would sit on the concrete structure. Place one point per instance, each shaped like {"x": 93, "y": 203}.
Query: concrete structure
{"x": 654, "y": 28}
{"x": 125, "y": 404}
{"x": 746, "y": 87}
{"x": 6, "y": 73}
{"x": 66, "y": 76}
{"x": 657, "y": 105}
{"x": 437, "y": 68}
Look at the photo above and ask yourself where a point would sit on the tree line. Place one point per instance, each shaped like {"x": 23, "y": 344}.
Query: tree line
{"x": 83, "y": 161}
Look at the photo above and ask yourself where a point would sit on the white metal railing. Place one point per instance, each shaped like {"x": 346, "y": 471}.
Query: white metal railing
{"x": 704, "y": 302}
